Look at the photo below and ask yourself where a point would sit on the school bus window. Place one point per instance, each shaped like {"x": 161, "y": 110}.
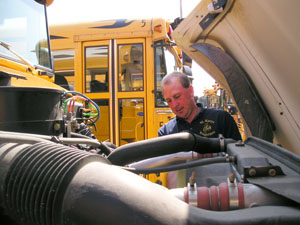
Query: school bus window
{"x": 64, "y": 68}
{"x": 165, "y": 63}
{"x": 96, "y": 69}
{"x": 102, "y": 125}
{"x": 131, "y": 120}
{"x": 160, "y": 72}
{"x": 18, "y": 21}
{"x": 170, "y": 61}
{"x": 131, "y": 67}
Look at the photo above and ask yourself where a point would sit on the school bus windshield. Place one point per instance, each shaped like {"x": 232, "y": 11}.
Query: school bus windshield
{"x": 23, "y": 28}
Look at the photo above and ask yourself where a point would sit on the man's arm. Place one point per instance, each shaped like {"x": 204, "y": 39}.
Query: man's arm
{"x": 168, "y": 128}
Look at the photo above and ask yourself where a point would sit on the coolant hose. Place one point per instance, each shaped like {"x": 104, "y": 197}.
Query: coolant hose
{"x": 164, "y": 145}
{"x": 229, "y": 196}
{"x": 54, "y": 185}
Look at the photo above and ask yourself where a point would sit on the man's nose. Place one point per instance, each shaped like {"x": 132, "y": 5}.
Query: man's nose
{"x": 175, "y": 102}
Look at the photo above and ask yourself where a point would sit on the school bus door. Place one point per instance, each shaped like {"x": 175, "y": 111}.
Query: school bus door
{"x": 130, "y": 91}
{"x": 114, "y": 77}
{"x": 92, "y": 78}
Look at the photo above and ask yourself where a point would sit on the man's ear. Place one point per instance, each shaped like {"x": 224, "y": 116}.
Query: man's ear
{"x": 191, "y": 91}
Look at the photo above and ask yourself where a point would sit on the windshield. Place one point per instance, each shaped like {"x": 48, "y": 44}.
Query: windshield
{"x": 23, "y": 26}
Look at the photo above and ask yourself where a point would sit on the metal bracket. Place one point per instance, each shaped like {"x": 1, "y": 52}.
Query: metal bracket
{"x": 264, "y": 171}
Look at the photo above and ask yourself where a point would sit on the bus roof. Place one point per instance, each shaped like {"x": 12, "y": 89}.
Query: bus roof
{"x": 67, "y": 34}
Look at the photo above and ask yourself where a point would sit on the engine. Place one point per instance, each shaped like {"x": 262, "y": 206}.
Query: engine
{"x": 54, "y": 171}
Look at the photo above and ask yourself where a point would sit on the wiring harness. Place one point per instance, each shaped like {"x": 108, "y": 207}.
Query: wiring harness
{"x": 88, "y": 110}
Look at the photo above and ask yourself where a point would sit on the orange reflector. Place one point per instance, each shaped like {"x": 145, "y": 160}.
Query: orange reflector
{"x": 158, "y": 28}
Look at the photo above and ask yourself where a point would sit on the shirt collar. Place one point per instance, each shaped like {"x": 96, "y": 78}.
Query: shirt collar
{"x": 200, "y": 105}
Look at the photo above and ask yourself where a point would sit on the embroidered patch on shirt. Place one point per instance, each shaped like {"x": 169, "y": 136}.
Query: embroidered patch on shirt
{"x": 207, "y": 128}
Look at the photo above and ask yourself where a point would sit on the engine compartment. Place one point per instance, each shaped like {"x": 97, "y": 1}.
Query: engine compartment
{"x": 66, "y": 176}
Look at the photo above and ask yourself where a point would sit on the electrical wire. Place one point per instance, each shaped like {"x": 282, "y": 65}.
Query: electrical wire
{"x": 95, "y": 110}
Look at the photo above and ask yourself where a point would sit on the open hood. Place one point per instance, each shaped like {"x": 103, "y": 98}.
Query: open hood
{"x": 252, "y": 49}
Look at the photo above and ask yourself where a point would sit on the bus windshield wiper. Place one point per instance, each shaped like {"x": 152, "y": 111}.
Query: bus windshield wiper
{"x": 8, "y": 47}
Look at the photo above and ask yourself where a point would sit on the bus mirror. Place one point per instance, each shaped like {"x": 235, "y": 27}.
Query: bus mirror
{"x": 187, "y": 70}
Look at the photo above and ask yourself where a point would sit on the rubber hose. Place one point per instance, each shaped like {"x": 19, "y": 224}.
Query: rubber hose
{"x": 77, "y": 135}
{"x": 8, "y": 138}
{"x": 186, "y": 165}
{"x": 164, "y": 145}
{"x": 26, "y": 138}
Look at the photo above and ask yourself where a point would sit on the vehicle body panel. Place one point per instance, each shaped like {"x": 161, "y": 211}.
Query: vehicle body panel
{"x": 262, "y": 37}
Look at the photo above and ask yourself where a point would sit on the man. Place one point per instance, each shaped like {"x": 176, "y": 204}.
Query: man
{"x": 179, "y": 94}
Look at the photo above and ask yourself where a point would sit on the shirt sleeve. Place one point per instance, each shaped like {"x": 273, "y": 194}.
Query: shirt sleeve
{"x": 232, "y": 130}
{"x": 168, "y": 128}
{"x": 161, "y": 131}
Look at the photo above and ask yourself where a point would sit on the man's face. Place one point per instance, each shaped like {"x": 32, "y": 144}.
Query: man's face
{"x": 179, "y": 99}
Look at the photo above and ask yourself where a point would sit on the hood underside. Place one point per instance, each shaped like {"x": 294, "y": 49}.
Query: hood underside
{"x": 252, "y": 49}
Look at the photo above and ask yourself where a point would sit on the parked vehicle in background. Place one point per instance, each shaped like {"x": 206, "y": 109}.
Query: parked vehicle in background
{"x": 217, "y": 97}
{"x": 119, "y": 64}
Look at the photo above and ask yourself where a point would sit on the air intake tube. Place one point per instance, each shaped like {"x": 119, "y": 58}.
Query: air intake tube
{"x": 52, "y": 184}
{"x": 33, "y": 179}
{"x": 164, "y": 145}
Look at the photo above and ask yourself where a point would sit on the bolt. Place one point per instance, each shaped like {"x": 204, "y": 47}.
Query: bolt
{"x": 272, "y": 172}
{"x": 57, "y": 126}
{"x": 192, "y": 179}
{"x": 252, "y": 172}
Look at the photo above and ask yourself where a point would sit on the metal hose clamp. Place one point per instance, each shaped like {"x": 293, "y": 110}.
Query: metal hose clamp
{"x": 222, "y": 143}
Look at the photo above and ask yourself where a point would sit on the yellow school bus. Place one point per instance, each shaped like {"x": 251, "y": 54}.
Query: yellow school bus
{"x": 118, "y": 64}
{"x": 25, "y": 56}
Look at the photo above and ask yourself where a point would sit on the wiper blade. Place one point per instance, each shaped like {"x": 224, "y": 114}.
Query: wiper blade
{"x": 8, "y": 47}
